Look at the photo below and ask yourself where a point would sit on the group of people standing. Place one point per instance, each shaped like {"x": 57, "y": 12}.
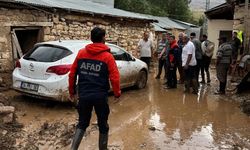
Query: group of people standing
{"x": 192, "y": 58}
{"x": 188, "y": 55}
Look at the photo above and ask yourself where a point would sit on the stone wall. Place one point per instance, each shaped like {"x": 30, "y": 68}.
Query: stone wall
{"x": 77, "y": 27}
{"x": 65, "y": 25}
{"x": 239, "y": 21}
{"x": 239, "y": 14}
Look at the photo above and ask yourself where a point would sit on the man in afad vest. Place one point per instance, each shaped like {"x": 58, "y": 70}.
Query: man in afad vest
{"x": 93, "y": 67}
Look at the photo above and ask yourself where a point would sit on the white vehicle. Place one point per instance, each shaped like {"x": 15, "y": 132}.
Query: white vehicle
{"x": 43, "y": 71}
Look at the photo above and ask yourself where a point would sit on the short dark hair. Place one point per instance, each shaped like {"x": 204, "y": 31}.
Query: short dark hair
{"x": 204, "y": 36}
{"x": 97, "y": 35}
{"x": 172, "y": 36}
{"x": 192, "y": 34}
{"x": 223, "y": 39}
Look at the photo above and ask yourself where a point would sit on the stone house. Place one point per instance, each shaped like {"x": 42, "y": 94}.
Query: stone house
{"x": 226, "y": 18}
{"x": 24, "y": 23}
{"x": 220, "y": 23}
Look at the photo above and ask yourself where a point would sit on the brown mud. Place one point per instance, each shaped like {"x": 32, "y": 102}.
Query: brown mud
{"x": 150, "y": 119}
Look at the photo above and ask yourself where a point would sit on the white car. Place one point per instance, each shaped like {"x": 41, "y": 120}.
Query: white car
{"x": 43, "y": 71}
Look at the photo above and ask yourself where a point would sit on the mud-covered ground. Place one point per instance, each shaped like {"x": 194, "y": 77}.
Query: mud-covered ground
{"x": 150, "y": 119}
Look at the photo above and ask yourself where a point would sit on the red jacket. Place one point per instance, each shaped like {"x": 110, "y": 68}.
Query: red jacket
{"x": 94, "y": 66}
{"x": 173, "y": 51}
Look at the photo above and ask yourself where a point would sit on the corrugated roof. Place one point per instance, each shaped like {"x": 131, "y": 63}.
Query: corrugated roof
{"x": 165, "y": 22}
{"x": 185, "y": 23}
{"x": 158, "y": 29}
{"x": 83, "y": 6}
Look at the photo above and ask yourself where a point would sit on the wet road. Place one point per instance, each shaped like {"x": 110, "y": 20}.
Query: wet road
{"x": 154, "y": 119}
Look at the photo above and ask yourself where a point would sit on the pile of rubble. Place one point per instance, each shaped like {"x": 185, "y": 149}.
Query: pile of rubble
{"x": 3, "y": 85}
{"x": 6, "y": 111}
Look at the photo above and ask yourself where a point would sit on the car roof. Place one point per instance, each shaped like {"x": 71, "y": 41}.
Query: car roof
{"x": 72, "y": 44}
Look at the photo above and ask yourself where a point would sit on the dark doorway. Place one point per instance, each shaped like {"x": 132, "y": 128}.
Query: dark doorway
{"x": 27, "y": 37}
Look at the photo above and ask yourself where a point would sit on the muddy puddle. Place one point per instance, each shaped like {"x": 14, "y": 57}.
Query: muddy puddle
{"x": 150, "y": 119}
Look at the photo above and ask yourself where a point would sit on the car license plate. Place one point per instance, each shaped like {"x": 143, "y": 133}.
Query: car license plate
{"x": 29, "y": 86}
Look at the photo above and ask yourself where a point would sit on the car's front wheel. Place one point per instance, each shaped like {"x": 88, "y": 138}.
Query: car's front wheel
{"x": 142, "y": 79}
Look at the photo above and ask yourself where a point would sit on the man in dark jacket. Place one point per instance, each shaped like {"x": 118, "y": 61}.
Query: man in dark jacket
{"x": 94, "y": 66}
{"x": 198, "y": 54}
{"x": 179, "y": 59}
{"x": 172, "y": 61}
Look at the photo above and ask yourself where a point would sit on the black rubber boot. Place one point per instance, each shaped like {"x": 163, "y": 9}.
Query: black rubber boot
{"x": 195, "y": 86}
{"x": 208, "y": 77}
{"x": 223, "y": 87}
{"x": 187, "y": 86}
{"x": 103, "y": 141}
{"x": 77, "y": 139}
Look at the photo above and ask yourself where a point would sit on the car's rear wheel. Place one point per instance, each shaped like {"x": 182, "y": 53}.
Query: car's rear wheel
{"x": 142, "y": 80}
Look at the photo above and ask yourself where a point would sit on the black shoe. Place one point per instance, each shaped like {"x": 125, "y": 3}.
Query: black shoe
{"x": 77, "y": 139}
{"x": 157, "y": 77}
{"x": 103, "y": 141}
{"x": 180, "y": 82}
{"x": 218, "y": 92}
{"x": 167, "y": 87}
{"x": 165, "y": 83}
{"x": 202, "y": 82}
{"x": 195, "y": 92}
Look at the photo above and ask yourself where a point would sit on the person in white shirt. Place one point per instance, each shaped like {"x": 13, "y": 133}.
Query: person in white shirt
{"x": 145, "y": 47}
{"x": 207, "y": 52}
{"x": 189, "y": 65}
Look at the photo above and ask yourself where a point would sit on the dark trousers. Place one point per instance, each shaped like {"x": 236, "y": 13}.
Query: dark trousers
{"x": 222, "y": 71}
{"x": 161, "y": 64}
{"x": 146, "y": 60}
{"x": 191, "y": 78}
{"x": 198, "y": 68}
{"x": 205, "y": 68}
{"x": 171, "y": 76}
{"x": 181, "y": 72}
{"x": 101, "y": 107}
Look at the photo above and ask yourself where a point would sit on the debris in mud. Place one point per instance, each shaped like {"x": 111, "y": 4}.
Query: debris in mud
{"x": 245, "y": 106}
{"x": 1, "y": 80}
{"x": 8, "y": 135}
{"x": 3, "y": 85}
{"x": 152, "y": 128}
{"x": 50, "y": 135}
{"x": 143, "y": 145}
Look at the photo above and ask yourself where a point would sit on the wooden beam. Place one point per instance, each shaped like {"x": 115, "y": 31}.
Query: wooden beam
{"x": 14, "y": 50}
{"x": 24, "y": 24}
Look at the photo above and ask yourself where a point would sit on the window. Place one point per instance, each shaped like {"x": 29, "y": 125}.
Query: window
{"x": 118, "y": 53}
{"x": 47, "y": 53}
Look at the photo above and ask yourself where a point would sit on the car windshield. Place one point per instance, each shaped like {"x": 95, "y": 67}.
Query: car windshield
{"x": 47, "y": 53}
{"x": 118, "y": 54}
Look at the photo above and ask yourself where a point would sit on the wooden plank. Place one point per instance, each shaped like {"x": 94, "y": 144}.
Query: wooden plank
{"x": 17, "y": 45}
{"x": 14, "y": 50}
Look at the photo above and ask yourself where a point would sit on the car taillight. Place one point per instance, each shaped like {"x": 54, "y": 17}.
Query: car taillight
{"x": 18, "y": 64}
{"x": 59, "y": 70}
